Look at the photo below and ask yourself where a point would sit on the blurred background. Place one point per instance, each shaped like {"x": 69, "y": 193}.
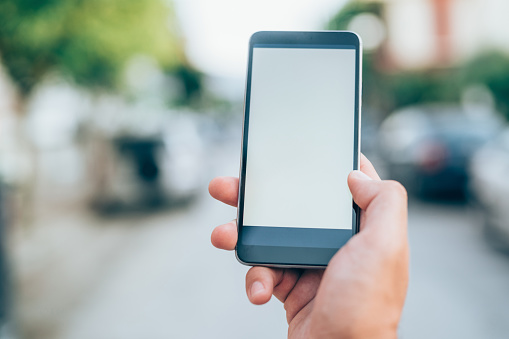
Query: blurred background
{"x": 114, "y": 115}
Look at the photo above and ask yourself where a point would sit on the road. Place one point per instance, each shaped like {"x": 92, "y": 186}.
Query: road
{"x": 458, "y": 284}
{"x": 157, "y": 276}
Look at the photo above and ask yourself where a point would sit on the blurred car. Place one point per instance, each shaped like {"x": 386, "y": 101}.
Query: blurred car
{"x": 427, "y": 148}
{"x": 490, "y": 188}
{"x": 139, "y": 170}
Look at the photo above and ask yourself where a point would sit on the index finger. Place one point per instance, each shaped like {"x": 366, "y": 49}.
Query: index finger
{"x": 225, "y": 189}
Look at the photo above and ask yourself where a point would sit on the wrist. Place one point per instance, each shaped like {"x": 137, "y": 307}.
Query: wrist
{"x": 378, "y": 332}
{"x": 373, "y": 334}
{"x": 356, "y": 333}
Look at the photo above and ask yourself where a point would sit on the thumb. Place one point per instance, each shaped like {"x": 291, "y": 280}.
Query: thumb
{"x": 384, "y": 202}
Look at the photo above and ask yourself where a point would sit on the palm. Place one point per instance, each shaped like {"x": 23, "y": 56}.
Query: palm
{"x": 300, "y": 302}
{"x": 296, "y": 289}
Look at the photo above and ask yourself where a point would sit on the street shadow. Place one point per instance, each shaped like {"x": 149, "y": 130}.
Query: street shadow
{"x": 117, "y": 209}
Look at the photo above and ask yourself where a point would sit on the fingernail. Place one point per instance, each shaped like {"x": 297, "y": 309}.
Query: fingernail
{"x": 256, "y": 288}
{"x": 360, "y": 175}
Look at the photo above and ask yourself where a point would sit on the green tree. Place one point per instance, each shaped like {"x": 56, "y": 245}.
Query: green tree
{"x": 86, "y": 41}
{"x": 353, "y": 8}
{"x": 373, "y": 80}
{"x": 388, "y": 89}
{"x": 491, "y": 69}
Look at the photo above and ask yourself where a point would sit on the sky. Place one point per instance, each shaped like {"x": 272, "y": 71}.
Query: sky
{"x": 217, "y": 32}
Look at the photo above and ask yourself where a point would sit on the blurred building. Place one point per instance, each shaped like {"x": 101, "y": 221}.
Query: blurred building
{"x": 424, "y": 33}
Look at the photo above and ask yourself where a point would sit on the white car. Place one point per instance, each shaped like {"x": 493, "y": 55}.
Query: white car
{"x": 133, "y": 170}
{"x": 490, "y": 187}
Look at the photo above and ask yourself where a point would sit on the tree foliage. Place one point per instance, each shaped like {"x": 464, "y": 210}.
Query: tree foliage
{"x": 373, "y": 81}
{"x": 353, "y": 8}
{"x": 391, "y": 89}
{"x": 87, "y": 41}
{"x": 492, "y": 70}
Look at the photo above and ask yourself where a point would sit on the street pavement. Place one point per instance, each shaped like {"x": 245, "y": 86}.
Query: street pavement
{"x": 157, "y": 276}
{"x": 458, "y": 284}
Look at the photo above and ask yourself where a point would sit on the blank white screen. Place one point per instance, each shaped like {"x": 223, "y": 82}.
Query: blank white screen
{"x": 300, "y": 138}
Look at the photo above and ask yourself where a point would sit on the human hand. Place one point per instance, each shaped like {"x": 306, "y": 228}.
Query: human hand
{"x": 362, "y": 291}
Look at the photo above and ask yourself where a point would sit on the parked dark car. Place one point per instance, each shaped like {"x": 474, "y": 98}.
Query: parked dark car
{"x": 428, "y": 148}
{"x": 490, "y": 188}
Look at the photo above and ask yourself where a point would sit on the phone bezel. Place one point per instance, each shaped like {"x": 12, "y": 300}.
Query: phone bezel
{"x": 302, "y": 255}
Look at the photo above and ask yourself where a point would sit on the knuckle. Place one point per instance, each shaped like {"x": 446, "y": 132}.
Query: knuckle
{"x": 251, "y": 274}
{"x": 260, "y": 273}
{"x": 255, "y": 270}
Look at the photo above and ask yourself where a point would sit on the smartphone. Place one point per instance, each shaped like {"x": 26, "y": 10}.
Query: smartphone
{"x": 301, "y": 139}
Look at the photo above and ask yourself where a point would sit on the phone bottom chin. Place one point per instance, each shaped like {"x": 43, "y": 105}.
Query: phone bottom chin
{"x": 285, "y": 256}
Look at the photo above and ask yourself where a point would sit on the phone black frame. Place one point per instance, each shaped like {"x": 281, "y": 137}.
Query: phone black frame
{"x": 292, "y": 246}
